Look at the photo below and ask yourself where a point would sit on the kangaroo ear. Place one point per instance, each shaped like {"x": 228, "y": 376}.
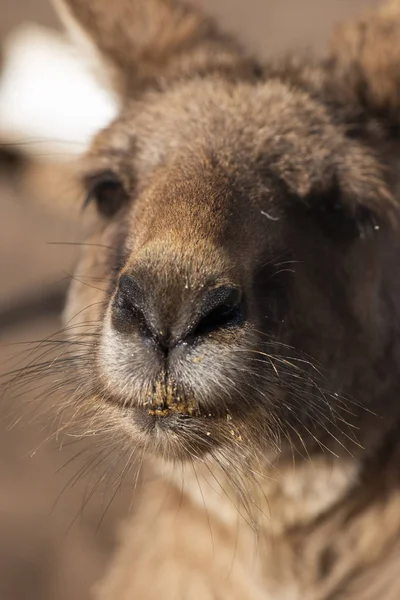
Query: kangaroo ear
{"x": 365, "y": 55}
{"x": 148, "y": 42}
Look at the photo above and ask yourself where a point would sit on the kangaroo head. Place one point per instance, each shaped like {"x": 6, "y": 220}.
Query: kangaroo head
{"x": 230, "y": 293}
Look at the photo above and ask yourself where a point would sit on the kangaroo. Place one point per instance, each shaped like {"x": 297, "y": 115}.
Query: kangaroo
{"x": 235, "y": 316}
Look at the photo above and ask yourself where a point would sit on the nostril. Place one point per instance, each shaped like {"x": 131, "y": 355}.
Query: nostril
{"x": 223, "y": 307}
{"x": 128, "y": 307}
{"x": 130, "y": 293}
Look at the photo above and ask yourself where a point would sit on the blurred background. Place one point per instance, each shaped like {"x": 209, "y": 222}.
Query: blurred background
{"x": 51, "y": 549}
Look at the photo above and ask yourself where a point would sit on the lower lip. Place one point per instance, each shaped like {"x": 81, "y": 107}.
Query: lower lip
{"x": 164, "y": 418}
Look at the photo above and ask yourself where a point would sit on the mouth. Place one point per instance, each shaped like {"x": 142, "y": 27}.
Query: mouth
{"x": 166, "y": 400}
{"x": 174, "y": 414}
{"x": 176, "y": 432}
{"x": 174, "y": 424}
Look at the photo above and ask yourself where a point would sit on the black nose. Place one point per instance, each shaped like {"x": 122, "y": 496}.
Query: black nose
{"x": 194, "y": 316}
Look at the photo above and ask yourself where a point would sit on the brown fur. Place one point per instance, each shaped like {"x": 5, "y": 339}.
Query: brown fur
{"x": 271, "y": 446}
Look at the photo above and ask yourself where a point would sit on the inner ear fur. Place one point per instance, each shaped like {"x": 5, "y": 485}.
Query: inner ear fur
{"x": 147, "y": 42}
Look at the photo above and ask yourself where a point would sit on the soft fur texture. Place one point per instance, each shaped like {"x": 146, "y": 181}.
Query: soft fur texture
{"x": 268, "y": 439}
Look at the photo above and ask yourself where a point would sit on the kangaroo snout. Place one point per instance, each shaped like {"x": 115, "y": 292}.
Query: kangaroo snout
{"x": 151, "y": 310}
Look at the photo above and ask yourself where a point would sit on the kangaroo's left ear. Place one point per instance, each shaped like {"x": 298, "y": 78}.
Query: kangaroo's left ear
{"x": 365, "y": 55}
{"x": 148, "y": 42}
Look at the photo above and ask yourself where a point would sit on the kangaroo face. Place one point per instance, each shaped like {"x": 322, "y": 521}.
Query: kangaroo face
{"x": 233, "y": 218}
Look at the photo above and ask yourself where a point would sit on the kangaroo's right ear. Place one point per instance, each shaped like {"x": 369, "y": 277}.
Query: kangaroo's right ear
{"x": 148, "y": 42}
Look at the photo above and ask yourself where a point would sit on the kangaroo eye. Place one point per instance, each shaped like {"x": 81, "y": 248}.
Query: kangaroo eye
{"x": 107, "y": 191}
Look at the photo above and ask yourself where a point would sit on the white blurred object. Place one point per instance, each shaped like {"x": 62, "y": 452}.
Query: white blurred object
{"x": 50, "y": 102}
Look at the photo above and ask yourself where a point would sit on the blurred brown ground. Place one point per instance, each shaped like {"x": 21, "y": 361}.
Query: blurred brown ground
{"x": 41, "y": 556}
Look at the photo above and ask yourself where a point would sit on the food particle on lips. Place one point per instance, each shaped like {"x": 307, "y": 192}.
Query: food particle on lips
{"x": 236, "y": 434}
{"x": 159, "y": 412}
{"x": 166, "y": 400}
